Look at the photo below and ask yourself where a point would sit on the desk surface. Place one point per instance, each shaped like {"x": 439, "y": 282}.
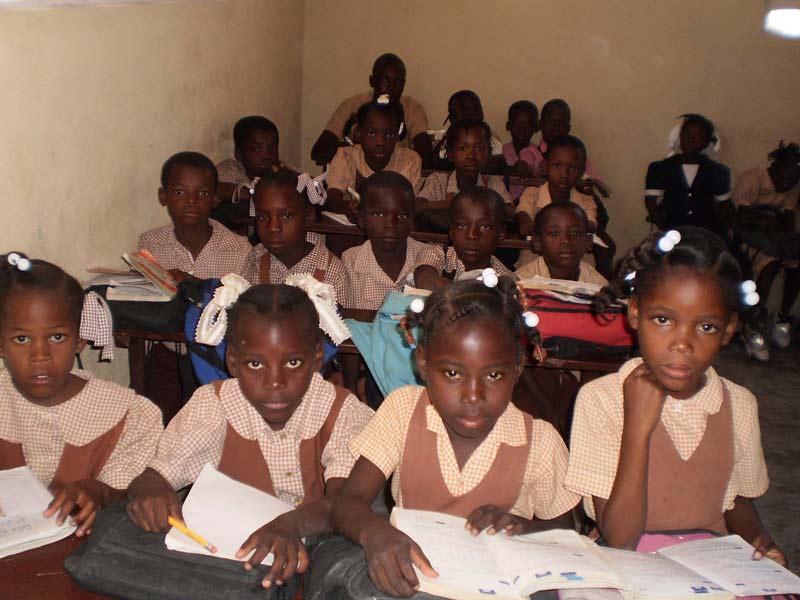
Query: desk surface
{"x": 39, "y": 574}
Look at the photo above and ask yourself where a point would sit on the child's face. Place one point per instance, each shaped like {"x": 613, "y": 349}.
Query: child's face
{"x": 784, "y": 178}
{"x": 470, "y": 372}
{"x": 470, "y": 153}
{"x": 465, "y": 107}
{"x": 555, "y": 123}
{"x": 562, "y": 239}
{"x": 259, "y": 153}
{"x": 475, "y": 233}
{"x": 682, "y": 322}
{"x": 274, "y": 362}
{"x": 386, "y": 218}
{"x": 522, "y": 126}
{"x": 378, "y": 138}
{"x": 565, "y": 167}
{"x": 388, "y": 79}
{"x": 189, "y": 195}
{"x": 38, "y": 343}
{"x": 281, "y": 219}
{"x": 694, "y": 139}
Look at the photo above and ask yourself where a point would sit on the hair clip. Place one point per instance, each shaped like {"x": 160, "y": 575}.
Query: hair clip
{"x": 749, "y": 295}
{"x": 669, "y": 240}
{"x": 323, "y": 296}
{"x": 313, "y": 187}
{"x": 402, "y": 126}
{"x": 19, "y": 261}
{"x": 213, "y": 321}
{"x": 417, "y": 305}
{"x": 489, "y": 277}
{"x": 531, "y": 319}
{"x": 383, "y": 99}
{"x": 630, "y": 276}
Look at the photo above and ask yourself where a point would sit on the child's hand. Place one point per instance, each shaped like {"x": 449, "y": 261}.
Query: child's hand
{"x": 766, "y": 546}
{"x": 153, "y": 501}
{"x": 526, "y": 227}
{"x": 643, "y": 400}
{"x": 391, "y": 556}
{"x": 351, "y": 210}
{"x": 282, "y": 539}
{"x": 493, "y": 519}
{"x": 522, "y": 169}
{"x": 87, "y": 494}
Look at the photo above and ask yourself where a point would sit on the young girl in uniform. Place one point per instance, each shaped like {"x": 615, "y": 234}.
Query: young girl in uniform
{"x": 666, "y": 444}
{"x": 458, "y": 445}
{"x": 84, "y": 438}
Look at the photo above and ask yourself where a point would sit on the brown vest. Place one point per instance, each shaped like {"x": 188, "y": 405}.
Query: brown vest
{"x": 76, "y": 462}
{"x": 242, "y": 458}
{"x": 689, "y": 494}
{"x": 422, "y": 485}
{"x": 266, "y": 260}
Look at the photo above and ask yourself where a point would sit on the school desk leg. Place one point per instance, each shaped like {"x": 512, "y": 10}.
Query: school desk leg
{"x": 137, "y": 364}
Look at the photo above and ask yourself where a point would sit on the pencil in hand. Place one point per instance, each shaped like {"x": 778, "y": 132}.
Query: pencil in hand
{"x": 200, "y": 540}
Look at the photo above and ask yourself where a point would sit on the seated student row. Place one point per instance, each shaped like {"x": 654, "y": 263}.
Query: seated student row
{"x": 671, "y": 406}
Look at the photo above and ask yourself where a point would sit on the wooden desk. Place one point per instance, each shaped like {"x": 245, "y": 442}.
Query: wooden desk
{"x": 39, "y": 574}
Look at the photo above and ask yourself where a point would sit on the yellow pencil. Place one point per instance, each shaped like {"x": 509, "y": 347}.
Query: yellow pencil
{"x": 182, "y": 527}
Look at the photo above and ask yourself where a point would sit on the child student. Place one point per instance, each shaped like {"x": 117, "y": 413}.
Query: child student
{"x": 523, "y": 122}
{"x": 666, "y": 444}
{"x": 193, "y": 245}
{"x": 282, "y": 217}
{"x": 477, "y": 227}
{"x": 388, "y": 77}
{"x": 766, "y": 200}
{"x": 386, "y": 261}
{"x": 499, "y": 468}
{"x": 84, "y": 438}
{"x": 561, "y": 235}
{"x": 380, "y": 123}
{"x": 277, "y": 426}
{"x": 467, "y": 142}
{"x": 689, "y": 188}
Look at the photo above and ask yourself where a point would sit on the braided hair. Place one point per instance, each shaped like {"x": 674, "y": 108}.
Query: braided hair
{"x": 785, "y": 155}
{"x": 392, "y": 109}
{"x": 473, "y": 300}
{"x": 281, "y": 302}
{"x": 698, "y": 249}
{"x": 461, "y": 127}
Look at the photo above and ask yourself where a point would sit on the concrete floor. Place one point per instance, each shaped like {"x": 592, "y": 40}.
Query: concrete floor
{"x": 777, "y": 387}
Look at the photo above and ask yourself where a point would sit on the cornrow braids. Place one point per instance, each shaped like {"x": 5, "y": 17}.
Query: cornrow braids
{"x": 698, "y": 249}
{"x": 460, "y": 127}
{"x": 284, "y": 302}
{"x": 472, "y": 300}
{"x": 785, "y": 154}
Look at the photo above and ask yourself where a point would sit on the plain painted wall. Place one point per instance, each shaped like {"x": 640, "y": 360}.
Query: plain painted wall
{"x": 94, "y": 99}
{"x": 627, "y": 68}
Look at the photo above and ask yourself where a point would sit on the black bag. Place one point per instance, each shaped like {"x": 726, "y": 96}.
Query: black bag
{"x": 122, "y": 561}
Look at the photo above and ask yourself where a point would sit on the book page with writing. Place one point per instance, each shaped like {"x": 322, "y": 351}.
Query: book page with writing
{"x": 655, "y": 577}
{"x": 555, "y": 559}
{"x": 224, "y": 512}
{"x": 593, "y": 594}
{"x": 729, "y": 561}
{"x": 467, "y": 569}
{"x": 23, "y": 499}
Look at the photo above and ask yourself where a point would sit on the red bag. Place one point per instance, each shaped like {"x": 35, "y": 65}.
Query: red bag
{"x": 574, "y": 329}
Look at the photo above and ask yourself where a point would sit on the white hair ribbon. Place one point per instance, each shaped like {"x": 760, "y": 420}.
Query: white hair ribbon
{"x": 674, "y": 142}
{"x": 97, "y": 325}
{"x": 213, "y": 322}
{"x": 324, "y": 298}
{"x": 313, "y": 186}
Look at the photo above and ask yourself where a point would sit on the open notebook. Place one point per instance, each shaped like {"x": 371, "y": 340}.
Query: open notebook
{"x": 23, "y": 499}
{"x": 515, "y": 567}
{"x": 225, "y": 512}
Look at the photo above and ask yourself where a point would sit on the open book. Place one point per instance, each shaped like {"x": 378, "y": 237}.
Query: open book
{"x": 503, "y": 567}
{"x": 23, "y": 499}
{"x": 225, "y": 512}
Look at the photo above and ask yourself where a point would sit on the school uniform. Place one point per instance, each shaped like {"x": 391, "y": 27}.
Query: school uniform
{"x": 262, "y": 267}
{"x": 538, "y": 268}
{"x": 219, "y": 426}
{"x": 440, "y": 187}
{"x": 450, "y": 263}
{"x": 413, "y": 113}
{"x": 349, "y": 167}
{"x": 369, "y": 283}
{"x": 225, "y": 252}
{"x": 519, "y": 467}
{"x": 688, "y": 193}
{"x": 705, "y": 451}
{"x": 540, "y": 150}
{"x": 105, "y": 432}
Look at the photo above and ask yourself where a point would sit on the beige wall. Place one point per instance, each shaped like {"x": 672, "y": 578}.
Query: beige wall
{"x": 94, "y": 100}
{"x": 627, "y": 68}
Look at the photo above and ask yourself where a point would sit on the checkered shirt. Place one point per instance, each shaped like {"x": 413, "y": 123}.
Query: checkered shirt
{"x": 534, "y": 199}
{"x": 543, "y": 493}
{"x": 196, "y": 435}
{"x": 438, "y": 185}
{"x": 450, "y": 263}
{"x": 538, "y": 268}
{"x": 97, "y": 324}
{"x": 43, "y": 431}
{"x": 350, "y": 160}
{"x": 597, "y": 434}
